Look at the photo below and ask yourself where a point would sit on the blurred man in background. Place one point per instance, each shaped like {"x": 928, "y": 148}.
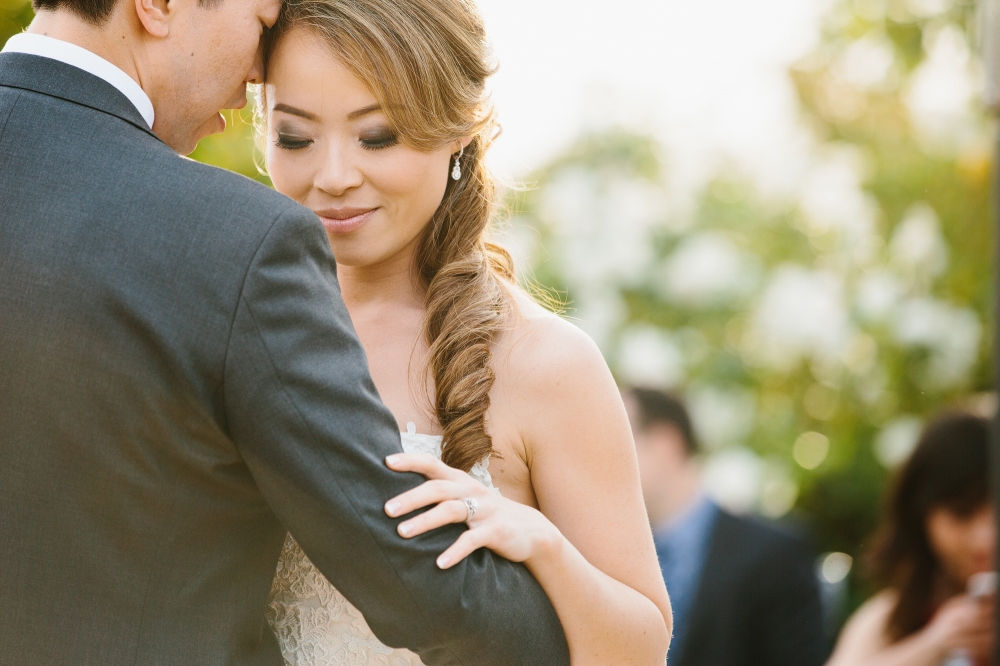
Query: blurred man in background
{"x": 744, "y": 593}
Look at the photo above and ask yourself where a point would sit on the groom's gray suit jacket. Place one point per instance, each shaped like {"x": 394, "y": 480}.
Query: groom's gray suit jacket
{"x": 179, "y": 384}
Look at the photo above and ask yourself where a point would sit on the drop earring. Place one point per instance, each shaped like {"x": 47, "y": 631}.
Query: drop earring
{"x": 456, "y": 171}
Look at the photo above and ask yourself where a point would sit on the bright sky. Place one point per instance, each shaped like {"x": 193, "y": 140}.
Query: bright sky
{"x": 708, "y": 77}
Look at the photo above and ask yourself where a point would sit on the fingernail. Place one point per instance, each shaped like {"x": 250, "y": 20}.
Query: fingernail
{"x": 392, "y": 508}
{"x": 443, "y": 562}
{"x": 405, "y": 529}
{"x": 392, "y": 460}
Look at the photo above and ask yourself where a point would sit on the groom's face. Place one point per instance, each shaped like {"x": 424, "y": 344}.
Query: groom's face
{"x": 212, "y": 52}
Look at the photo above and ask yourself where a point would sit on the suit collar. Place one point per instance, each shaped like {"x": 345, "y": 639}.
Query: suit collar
{"x": 88, "y": 61}
{"x": 56, "y": 79}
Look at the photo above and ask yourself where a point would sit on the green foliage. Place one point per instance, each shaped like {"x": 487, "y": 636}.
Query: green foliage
{"x": 235, "y": 149}
{"x": 602, "y": 226}
{"x": 15, "y": 15}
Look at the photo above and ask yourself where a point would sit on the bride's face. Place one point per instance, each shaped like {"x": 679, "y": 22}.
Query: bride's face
{"x": 331, "y": 148}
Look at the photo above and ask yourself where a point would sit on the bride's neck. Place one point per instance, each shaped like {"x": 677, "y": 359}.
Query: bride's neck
{"x": 390, "y": 282}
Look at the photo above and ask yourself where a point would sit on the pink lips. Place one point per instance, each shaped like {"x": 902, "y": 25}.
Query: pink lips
{"x": 344, "y": 220}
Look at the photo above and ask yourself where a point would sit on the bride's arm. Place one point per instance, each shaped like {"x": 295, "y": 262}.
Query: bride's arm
{"x": 602, "y": 573}
{"x": 590, "y": 546}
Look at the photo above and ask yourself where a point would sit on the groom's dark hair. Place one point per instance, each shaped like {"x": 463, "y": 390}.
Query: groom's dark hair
{"x": 95, "y": 12}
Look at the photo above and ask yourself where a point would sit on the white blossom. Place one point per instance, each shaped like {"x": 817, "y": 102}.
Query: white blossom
{"x": 833, "y": 199}
{"x": 897, "y": 439}
{"x": 943, "y": 87}
{"x": 917, "y": 246}
{"x": 722, "y": 416}
{"x": 801, "y": 314}
{"x": 929, "y": 8}
{"x": 649, "y": 357}
{"x": 866, "y": 61}
{"x": 877, "y": 295}
{"x": 707, "y": 269}
{"x": 950, "y": 333}
{"x": 599, "y": 312}
{"x": 733, "y": 478}
{"x": 778, "y": 489}
{"x": 601, "y": 227}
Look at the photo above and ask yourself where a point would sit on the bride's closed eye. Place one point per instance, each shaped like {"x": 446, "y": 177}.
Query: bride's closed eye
{"x": 378, "y": 140}
{"x": 291, "y": 142}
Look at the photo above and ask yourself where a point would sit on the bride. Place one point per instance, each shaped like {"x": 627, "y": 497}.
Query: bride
{"x": 376, "y": 118}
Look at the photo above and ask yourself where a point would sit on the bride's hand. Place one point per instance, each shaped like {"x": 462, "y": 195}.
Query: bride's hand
{"x": 511, "y": 530}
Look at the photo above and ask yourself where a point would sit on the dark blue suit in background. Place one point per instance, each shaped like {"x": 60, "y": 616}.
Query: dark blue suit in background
{"x": 755, "y": 600}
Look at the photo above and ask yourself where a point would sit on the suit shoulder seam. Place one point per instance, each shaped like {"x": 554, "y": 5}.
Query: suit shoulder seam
{"x": 10, "y": 113}
{"x": 240, "y": 291}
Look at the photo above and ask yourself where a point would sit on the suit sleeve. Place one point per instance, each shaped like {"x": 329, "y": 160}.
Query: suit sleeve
{"x": 305, "y": 415}
{"x": 789, "y": 613}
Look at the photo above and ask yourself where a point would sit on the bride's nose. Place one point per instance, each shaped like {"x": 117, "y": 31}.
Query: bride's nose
{"x": 338, "y": 174}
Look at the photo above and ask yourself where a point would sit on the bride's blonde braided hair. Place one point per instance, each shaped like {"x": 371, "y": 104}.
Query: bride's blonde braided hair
{"x": 426, "y": 62}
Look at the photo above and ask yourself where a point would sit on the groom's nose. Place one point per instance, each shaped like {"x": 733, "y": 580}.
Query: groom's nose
{"x": 256, "y": 73}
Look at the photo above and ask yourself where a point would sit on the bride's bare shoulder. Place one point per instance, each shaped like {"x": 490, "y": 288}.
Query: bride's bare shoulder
{"x": 543, "y": 349}
{"x": 552, "y": 381}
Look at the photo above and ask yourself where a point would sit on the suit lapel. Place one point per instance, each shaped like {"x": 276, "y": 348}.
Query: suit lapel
{"x": 57, "y": 79}
{"x": 712, "y": 585}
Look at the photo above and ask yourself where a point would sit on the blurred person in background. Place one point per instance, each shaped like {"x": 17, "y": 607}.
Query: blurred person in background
{"x": 743, "y": 592}
{"x": 938, "y": 534}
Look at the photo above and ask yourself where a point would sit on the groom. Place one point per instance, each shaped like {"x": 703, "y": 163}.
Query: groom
{"x": 179, "y": 381}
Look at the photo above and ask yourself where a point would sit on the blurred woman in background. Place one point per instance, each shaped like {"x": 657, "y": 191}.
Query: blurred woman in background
{"x": 932, "y": 553}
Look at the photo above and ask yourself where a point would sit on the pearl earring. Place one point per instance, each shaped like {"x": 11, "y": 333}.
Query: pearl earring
{"x": 456, "y": 171}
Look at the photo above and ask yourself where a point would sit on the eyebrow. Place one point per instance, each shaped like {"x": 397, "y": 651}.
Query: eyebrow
{"x": 295, "y": 112}
{"x": 353, "y": 115}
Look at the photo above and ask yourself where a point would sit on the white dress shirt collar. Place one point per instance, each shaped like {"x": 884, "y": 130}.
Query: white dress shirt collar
{"x": 81, "y": 58}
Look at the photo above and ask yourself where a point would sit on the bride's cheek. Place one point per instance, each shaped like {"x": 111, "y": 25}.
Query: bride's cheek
{"x": 290, "y": 180}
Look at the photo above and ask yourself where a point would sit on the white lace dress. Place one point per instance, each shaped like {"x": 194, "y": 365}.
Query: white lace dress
{"x": 314, "y": 623}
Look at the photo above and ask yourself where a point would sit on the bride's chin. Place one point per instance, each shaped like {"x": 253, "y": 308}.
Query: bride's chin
{"x": 356, "y": 264}
{"x": 369, "y": 249}
{"x": 348, "y": 258}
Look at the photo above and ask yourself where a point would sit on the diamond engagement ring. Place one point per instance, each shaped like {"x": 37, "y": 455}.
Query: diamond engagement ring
{"x": 471, "y": 506}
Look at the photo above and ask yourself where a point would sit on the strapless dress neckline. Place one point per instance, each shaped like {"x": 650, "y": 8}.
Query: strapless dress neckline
{"x": 415, "y": 442}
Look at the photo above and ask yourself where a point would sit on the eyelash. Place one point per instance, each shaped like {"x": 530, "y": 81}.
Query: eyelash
{"x": 288, "y": 143}
{"x": 387, "y": 142}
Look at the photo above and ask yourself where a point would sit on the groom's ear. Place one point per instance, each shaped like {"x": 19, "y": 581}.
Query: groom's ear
{"x": 155, "y": 15}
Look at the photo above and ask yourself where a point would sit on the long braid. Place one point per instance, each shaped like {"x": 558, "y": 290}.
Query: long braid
{"x": 467, "y": 308}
